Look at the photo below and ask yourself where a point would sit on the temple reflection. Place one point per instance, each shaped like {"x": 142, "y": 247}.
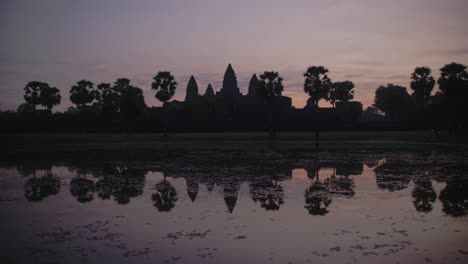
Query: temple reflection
{"x": 331, "y": 176}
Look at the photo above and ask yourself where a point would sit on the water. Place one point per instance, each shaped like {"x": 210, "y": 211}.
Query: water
{"x": 236, "y": 207}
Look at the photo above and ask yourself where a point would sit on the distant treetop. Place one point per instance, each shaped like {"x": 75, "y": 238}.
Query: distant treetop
{"x": 422, "y": 84}
{"x": 317, "y": 84}
{"x": 165, "y": 86}
{"x": 271, "y": 84}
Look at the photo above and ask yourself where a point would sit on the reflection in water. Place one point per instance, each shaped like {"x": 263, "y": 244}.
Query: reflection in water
{"x": 192, "y": 187}
{"x": 201, "y": 205}
{"x": 230, "y": 192}
{"x": 317, "y": 196}
{"x": 83, "y": 189}
{"x": 393, "y": 175}
{"x": 118, "y": 181}
{"x": 454, "y": 198}
{"x": 121, "y": 182}
{"x": 423, "y": 193}
{"x": 36, "y": 189}
{"x": 268, "y": 193}
{"x": 329, "y": 176}
{"x": 39, "y": 187}
{"x": 165, "y": 196}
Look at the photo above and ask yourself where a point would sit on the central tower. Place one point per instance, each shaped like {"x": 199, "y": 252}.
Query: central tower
{"x": 230, "y": 87}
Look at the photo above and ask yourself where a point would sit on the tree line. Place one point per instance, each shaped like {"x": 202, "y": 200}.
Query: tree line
{"x": 393, "y": 101}
{"x": 124, "y": 97}
{"x": 396, "y": 103}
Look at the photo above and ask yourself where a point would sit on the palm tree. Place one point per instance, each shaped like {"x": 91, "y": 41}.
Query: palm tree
{"x": 422, "y": 84}
{"x": 317, "y": 84}
{"x": 40, "y": 93}
{"x": 341, "y": 91}
{"x": 82, "y": 93}
{"x": 165, "y": 86}
{"x": 270, "y": 86}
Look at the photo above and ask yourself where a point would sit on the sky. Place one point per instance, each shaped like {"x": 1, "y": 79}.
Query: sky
{"x": 369, "y": 42}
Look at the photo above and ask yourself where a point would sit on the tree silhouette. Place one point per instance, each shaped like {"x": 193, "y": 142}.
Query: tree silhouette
{"x": 32, "y": 92}
{"x": 393, "y": 100}
{"x": 209, "y": 91}
{"x": 25, "y": 108}
{"x": 317, "y": 84}
{"x": 165, "y": 86}
{"x": 108, "y": 98}
{"x": 40, "y": 93}
{"x": 342, "y": 92}
{"x": 270, "y": 86}
{"x": 82, "y": 93}
{"x": 422, "y": 84}
{"x": 453, "y": 82}
{"x": 50, "y": 96}
{"x": 132, "y": 101}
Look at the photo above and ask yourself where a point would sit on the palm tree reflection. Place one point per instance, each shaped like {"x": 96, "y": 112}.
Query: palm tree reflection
{"x": 423, "y": 194}
{"x": 83, "y": 189}
{"x": 268, "y": 193}
{"x": 165, "y": 196}
{"x": 122, "y": 182}
{"x": 38, "y": 188}
{"x": 317, "y": 196}
{"x": 454, "y": 198}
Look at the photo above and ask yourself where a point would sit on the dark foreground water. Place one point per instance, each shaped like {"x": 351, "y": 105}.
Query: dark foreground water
{"x": 236, "y": 207}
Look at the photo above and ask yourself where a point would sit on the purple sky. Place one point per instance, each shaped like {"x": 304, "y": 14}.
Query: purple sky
{"x": 369, "y": 42}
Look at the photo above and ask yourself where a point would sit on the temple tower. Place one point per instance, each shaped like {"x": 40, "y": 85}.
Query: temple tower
{"x": 230, "y": 88}
{"x": 192, "y": 90}
{"x": 253, "y": 86}
{"x": 209, "y": 90}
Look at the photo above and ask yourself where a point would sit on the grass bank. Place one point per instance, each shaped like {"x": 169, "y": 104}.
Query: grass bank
{"x": 68, "y": 138}
{"x": 70, "y": 142}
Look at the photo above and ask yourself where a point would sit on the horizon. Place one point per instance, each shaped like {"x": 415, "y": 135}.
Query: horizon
{"x": 370, "y": 43}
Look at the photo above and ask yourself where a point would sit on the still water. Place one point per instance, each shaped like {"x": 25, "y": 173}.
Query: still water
{"x": 236, "y": 207}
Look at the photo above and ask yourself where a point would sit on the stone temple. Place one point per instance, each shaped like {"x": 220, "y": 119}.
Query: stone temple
{"x": 229, "y": 109}
{"x": 229, "y": 98}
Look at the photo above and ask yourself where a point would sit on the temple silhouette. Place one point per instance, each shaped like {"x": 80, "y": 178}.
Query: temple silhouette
{"x": 229, "y": 109}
